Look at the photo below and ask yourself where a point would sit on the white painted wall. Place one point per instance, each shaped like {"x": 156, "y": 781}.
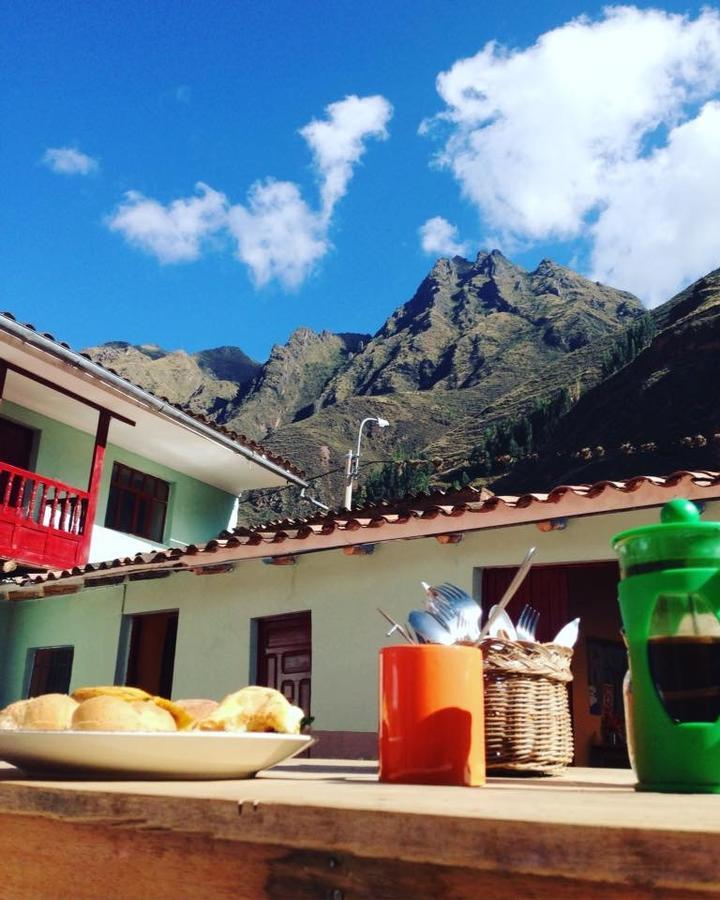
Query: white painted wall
{"x": 106, "y": 544}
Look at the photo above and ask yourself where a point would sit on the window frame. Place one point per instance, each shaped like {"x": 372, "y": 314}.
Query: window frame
{"x": 146, "y": 495}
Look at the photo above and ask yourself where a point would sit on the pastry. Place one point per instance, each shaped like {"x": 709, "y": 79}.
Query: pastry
{"x": 123, "y": 691}
{"x": 254, "y": 708}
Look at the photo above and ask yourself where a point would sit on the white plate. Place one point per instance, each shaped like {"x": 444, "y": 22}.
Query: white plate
{"x": 187, "y": 754}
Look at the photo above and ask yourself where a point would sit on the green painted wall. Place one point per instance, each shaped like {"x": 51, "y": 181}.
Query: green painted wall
{"x": 5, "y": 611}
{"x": 89, "y": 621}
{"x": 197, "y": 511}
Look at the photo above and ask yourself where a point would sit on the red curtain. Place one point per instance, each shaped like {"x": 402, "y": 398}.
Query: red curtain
{"x": 545, "y": 589}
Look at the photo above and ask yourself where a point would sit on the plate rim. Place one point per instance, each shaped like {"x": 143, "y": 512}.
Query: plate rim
{"x": 253, "y": 735}
{"x": 72, "y": 753}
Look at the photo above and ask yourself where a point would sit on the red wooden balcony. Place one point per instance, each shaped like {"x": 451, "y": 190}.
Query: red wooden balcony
{"x": 43, "y": 522}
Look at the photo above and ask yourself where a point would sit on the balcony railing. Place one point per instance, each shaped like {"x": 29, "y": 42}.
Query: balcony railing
{"x": 43, "y": 522}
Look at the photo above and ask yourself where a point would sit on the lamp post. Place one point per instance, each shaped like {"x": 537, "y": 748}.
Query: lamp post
{"x": 353, "y": 459}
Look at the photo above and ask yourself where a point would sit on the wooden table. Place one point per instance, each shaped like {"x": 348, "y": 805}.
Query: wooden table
{"x": 326, "y": 829}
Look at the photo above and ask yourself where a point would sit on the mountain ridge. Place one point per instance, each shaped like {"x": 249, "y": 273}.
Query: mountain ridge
{"x": 472, "y": 334}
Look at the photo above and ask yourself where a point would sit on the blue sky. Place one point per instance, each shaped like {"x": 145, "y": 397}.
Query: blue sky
{"x": 594, "y": 142}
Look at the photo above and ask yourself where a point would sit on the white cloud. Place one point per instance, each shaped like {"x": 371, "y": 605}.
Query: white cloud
{"x": 174, "y": 233}
{"x": 69, "y": 161}
{"x": 438, "y": 237}
{"x": 660, "y": 229}
{"x": 338, "y": 141}
{"x": 278, "y": 235}
{"x": 546, "y": 139}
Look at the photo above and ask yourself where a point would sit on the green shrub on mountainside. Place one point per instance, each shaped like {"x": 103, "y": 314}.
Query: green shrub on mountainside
{"x": 628, "y": 344}
{"x": 657, "y": 414}
{"x": 401, "y": 477}
{"x": 509, "y": 441}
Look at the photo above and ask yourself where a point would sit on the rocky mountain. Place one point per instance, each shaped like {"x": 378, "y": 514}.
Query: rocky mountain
{"x": 287, "y": 387}
{"x": 204, "y": 382}
{"x": 659, "y": 413}
{"x": 486, "y": 323}
{"x": 480, "y": 344}
{"x": 224, "y": 383}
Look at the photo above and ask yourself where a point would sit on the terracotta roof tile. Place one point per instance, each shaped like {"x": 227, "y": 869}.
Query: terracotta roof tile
{"x": 406, "y": 518}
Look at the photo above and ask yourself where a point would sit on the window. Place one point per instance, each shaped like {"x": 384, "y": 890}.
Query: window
{"x": 137, "y": 503}
{"x": 51, "y": 670}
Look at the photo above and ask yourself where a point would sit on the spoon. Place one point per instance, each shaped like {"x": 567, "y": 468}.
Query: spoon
{"x": 501, "y": 622}
{"x": 510, "y": 592}
{"x": 428, "y": 628}
{"x": 568, "y": 634}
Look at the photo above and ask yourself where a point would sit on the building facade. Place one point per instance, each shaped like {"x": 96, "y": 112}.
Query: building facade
{"x": 93, "y": 467}
{"x": 294, "y": 605}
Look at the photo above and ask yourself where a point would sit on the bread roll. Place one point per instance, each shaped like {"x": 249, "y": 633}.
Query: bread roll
{"x": 183, "y": 719}
{"x": 198, "y": 708}
{"x": 105, "y": 713}
{"x": 254, "y": 708}
{"x": 11, "y": 718}
{"x": 48, "y": 712}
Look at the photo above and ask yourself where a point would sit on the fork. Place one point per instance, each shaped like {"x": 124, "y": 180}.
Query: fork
{"x": 465, "y": 611}
{"x": 527, "y": 623}
{"x": 454, "y": 592}
{"x": 468, "y": 624}
{"x": 443, "y": 610}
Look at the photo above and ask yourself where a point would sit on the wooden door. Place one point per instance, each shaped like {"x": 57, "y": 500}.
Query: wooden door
{"x": 284, "y": 656}
{"x": 151, "y": 660}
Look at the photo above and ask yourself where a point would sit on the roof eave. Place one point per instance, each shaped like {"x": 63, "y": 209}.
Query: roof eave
{"x": 128, "y": 389}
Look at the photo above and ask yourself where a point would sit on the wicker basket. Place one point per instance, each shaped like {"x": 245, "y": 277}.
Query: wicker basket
{"x": 527, "y": 713}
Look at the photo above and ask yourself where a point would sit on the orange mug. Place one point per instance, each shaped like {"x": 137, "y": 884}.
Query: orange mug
{"x": 431, "y": 715}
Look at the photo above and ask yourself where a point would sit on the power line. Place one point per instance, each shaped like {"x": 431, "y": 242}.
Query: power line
{"x": 309, "y": 478}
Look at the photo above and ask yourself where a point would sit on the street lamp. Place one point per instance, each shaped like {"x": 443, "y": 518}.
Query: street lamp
{"x": 353, "y": 459}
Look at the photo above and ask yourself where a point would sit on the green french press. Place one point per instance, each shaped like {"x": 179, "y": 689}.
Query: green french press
{"x": 670, "y": 604}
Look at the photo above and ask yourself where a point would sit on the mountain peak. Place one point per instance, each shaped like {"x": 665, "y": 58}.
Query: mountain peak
{"x": 449, "y": 267}
{"x": 494, "y": 262}
{"x": 550, "y": 267}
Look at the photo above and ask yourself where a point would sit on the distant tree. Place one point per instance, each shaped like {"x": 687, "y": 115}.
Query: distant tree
{"x": 400, "y": 477}
{"x": 628, "y": 344}
{"x": 519, "y": 437}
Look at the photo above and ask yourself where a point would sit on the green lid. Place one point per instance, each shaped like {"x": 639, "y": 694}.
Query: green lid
{"x": 680, "y": 541}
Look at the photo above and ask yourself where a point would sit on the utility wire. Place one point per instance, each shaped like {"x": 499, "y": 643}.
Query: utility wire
{"x": 371, "y": 462}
